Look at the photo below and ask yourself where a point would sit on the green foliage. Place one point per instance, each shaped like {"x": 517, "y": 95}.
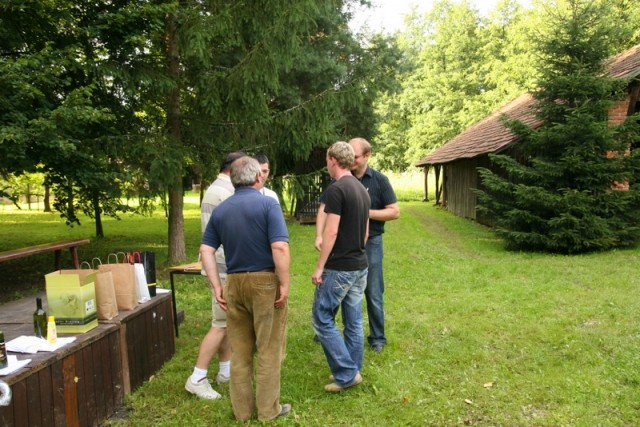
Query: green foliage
{"x": 66, "y": 112}
{"x": 457, "y": 68}
{"x": 13, "y": 187}
{"x": 125, "y": 98}
{"x": 561, "y": 196}
{"x": 626, "y": 15}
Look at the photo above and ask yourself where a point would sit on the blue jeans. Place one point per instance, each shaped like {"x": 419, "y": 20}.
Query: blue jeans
{"x": 341, "y": 290}
{"x": 374, "y": 292}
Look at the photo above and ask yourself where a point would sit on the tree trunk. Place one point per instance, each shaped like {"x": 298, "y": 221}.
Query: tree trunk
{"x": 177, "y": 252}
{"x": 47, "y": 196}
{"x": 97, "y": 212}
{"x": 29, "y": 196}
{"x": 71, "y": 209}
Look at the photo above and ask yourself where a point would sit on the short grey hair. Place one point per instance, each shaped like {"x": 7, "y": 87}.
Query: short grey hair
{"x": 244, "y": 172}
{"x": 343, "y": 153}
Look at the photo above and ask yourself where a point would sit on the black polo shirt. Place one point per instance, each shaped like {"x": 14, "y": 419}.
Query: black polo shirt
{"x": 381, "y": 194}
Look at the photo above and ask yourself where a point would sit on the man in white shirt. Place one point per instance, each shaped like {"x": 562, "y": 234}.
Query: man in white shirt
{"x": 215, "y": 341}
{"x": 264, "y": 171}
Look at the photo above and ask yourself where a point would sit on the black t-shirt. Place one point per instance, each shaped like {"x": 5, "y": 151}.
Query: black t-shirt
{"x": 350, "y": 200}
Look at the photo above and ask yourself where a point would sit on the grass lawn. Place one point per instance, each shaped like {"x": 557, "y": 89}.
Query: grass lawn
{"x": 477, "y": 335}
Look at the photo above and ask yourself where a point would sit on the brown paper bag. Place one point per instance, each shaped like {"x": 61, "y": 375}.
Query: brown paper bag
{"x": 124, "y": 282}
{"x": 106, "y": 296}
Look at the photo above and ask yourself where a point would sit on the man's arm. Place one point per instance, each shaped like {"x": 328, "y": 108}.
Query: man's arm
{"x": 321, "y": 218}
{"x": 205, "y": 215}
{"x": 281, "y": 259}
{"x": 208, "y": 258}
{"x": 388, "y": 213}
{"x": 366, "y": 234}
{"x": 329, "y": 235}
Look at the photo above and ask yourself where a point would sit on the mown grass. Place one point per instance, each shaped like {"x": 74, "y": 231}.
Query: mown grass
{"x": 477, "y": 335}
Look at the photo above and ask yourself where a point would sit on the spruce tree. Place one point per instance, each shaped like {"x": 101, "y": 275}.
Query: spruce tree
{"x": 570, "y": 185}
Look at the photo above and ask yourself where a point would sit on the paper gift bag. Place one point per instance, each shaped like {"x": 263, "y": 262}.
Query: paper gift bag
{"x": 106, "y": 296}
{"x": 148, "y": 261}
{"x": 142, "y": 290}
{"x": 124, "y": 281}
{"x": 106, "y": 304}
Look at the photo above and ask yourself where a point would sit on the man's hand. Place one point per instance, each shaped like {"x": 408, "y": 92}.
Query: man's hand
{"x": 220, "y": 298}
{"x": 284, "y": 295}
{"x": 316, "y": 278}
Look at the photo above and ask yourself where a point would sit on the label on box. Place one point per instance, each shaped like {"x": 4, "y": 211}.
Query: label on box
{"x": 90, "y": 306}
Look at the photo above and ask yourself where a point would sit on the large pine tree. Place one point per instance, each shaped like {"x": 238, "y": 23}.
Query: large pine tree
{"x": 564, "y": 194}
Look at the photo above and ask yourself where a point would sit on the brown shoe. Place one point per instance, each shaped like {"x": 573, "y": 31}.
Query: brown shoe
{"x": 335, "y": 388}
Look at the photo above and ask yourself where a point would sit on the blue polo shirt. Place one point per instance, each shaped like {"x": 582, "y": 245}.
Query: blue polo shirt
{"x": 246, "y": 224}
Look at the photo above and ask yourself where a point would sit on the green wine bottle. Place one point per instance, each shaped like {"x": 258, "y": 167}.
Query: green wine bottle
{"x": 40, "y": 320}
{"x": 4, "y": 361}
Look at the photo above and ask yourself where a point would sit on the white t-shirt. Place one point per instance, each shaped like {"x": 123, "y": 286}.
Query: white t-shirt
{"x": 268, "y": 192}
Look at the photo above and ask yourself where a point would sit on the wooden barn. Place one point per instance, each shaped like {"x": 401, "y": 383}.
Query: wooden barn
{"x": 455, "y": 163}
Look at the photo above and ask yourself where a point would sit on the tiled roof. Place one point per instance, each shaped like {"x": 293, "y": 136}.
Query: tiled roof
{"x": 625, "y": 64}
{"x": 491, "y": 136}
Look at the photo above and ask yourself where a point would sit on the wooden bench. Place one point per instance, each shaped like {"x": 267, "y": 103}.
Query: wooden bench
{"x": 56, "y": 247}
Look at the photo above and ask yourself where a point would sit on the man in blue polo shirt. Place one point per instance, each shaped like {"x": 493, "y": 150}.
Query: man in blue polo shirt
{"x": 254, "y": 234}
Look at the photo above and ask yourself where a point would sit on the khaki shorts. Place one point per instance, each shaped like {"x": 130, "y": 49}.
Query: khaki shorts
{"x": 219, "y": 316}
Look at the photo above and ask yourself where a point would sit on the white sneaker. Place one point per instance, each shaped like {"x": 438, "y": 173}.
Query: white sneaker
{"x": 222, "y": 379}
{"x": 202, "y": 389}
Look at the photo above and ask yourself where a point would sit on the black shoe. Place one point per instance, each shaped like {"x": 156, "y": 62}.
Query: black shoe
{"x": 284, "y": 410}
{"x": 316, "y": 339}
{"x": 377, "y": 347}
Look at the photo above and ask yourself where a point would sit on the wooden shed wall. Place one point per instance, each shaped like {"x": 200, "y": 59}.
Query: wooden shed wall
{"x": 460, "y": 177}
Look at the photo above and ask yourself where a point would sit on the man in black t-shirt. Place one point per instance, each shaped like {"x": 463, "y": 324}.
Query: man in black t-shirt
{"x": 340, "y": 275}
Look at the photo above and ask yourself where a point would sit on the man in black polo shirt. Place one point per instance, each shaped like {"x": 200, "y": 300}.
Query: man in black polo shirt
{"x": 384, "y": 207}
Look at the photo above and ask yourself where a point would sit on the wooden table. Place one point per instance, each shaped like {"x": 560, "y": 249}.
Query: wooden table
{"x": 80, "y": 384}
{"x": 193, "y": 269}
{"x": 83, "y": 383}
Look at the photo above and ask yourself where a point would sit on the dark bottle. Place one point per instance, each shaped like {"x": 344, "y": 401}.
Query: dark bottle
{"x": 40, "y": 320}
{"x": 4, "y": 362}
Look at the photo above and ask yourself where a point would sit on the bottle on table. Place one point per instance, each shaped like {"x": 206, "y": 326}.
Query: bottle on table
{"x": 52, "y": 335}
{"x": 40, "y": 320}
{"x": 4, "y": 361}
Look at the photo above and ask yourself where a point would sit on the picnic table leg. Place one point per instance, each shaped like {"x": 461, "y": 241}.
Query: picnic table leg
{"x": 173, "y": 302}
{"x": 74, "y": 257}
{"x": 58, "y": 261}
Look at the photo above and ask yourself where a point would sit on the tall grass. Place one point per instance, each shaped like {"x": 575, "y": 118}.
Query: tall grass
{"x": 409, "y": 185}
{"x": 477, "y": 335}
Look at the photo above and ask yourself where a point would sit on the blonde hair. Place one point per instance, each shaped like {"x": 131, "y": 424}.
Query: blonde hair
{"x": 343, "y": 153}
{"x": 363, "y": 143}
